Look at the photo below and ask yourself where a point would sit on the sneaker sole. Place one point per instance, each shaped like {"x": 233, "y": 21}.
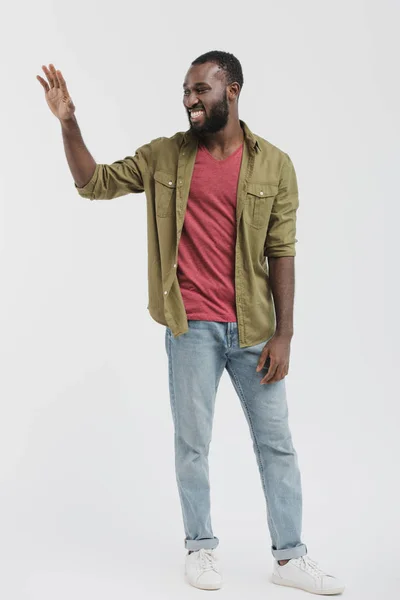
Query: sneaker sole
{"x": 288, "y": 583}
{"x": 209, "y": 587}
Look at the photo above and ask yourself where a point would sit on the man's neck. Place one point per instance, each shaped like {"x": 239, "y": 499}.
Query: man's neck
{"x": 223, "y": 141}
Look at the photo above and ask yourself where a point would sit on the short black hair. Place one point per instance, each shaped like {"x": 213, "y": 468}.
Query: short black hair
{"x": 227, "y": 62}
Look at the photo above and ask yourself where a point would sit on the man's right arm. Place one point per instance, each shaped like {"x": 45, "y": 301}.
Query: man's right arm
{"x": 81, "y": 163}
{"x": 98, "y": 181}
{"x": 92, "y": 180}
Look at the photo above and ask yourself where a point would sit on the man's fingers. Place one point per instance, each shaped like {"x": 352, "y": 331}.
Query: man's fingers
{"x": 263, "y": 357}
{"x": 54, "y": 74}
{"x": 273, "y": 366}
{"x": 48, "y": 75}
{"x": 61, "y": 82}
{"x": 279, "y": 374}
{"x": 43, "y": 82}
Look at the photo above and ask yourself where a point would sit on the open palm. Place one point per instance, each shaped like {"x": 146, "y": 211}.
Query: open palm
{"x": 56, "y": 93}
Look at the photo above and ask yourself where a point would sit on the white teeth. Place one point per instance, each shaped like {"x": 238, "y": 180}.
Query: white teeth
{"x": 196, "y": 113}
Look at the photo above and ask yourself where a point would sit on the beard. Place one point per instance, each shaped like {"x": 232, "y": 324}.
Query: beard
{"x": 214, "y": 121}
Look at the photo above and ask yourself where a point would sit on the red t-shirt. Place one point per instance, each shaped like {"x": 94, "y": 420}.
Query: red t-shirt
{"x": 206, "y": 252}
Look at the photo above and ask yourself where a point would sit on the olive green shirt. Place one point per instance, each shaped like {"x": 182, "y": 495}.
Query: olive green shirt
{"x": 267, "y": 201}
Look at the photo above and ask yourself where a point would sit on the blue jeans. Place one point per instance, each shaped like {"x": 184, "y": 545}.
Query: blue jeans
{"x": 196, "y": 360}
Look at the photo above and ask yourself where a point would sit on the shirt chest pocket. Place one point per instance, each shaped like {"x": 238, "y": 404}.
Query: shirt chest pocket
{"x": 165, "y": 193}
{"x": 259, "y": 200}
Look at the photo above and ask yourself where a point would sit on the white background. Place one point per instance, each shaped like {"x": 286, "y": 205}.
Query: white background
{"x": 88, "y": 499}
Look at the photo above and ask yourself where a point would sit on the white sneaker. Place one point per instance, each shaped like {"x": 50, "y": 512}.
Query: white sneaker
{"x": 202, "y": 570}
{"x": 305, "y": 574}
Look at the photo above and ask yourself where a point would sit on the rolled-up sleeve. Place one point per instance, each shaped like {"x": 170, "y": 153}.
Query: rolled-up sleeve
{"x": 281, "y": 234}
{"x": 119, "y": 178}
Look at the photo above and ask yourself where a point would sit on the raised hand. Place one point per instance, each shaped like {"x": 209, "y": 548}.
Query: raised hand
{"x": 56, "y": 93}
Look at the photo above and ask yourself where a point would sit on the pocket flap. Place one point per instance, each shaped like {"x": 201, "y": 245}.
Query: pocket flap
{"x": 165, "y": 178}
{"x": 262, "y": 190}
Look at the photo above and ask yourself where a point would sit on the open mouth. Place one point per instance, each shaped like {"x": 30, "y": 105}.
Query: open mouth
{"x": 196, "y": 115}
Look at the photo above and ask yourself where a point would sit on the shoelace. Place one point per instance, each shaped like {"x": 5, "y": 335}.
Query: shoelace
{"x": 206, "y": 559}
{"x": 310, "y": 566}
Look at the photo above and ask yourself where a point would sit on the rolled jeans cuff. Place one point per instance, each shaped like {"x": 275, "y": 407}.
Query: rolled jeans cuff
{"x": 208, "y": 544}
{"x": 288, "y": 553}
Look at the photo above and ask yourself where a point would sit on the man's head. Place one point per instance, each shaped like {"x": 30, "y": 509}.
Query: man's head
{"x": 213, "y": 84}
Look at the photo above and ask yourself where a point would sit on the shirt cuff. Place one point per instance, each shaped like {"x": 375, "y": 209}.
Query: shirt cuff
{"x": 87, "y": 190}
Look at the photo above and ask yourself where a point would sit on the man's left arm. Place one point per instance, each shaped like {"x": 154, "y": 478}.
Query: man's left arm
{"x": 282, "y": 281}
{"x": 280, "y": 250}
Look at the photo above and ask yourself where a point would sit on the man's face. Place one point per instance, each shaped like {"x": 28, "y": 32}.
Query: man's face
{"x": 205, "y": 99}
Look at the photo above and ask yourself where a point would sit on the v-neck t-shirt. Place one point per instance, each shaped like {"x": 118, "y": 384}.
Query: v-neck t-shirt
{"x": 206, "y": 252}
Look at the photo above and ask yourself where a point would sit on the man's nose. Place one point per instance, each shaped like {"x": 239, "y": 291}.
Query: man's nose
{"x": 191, "y": 100}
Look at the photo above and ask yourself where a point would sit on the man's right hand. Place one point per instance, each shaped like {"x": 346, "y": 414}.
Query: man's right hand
{"x": 57, "y": 95}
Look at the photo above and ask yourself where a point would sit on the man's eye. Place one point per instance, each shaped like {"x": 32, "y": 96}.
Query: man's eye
{"x": 187, "y": 92}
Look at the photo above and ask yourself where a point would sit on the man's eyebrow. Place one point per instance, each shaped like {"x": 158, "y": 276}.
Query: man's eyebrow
{"x": 196, "y": 84}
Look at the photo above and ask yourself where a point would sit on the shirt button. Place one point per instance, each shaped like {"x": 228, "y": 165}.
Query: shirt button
{"x": 261, "y": 193}
{"x": 165, "y": 292}
{"x": 170, "y": 182}
{"x": 175, "y": 265}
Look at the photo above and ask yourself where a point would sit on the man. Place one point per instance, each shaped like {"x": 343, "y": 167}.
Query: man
{"x": 220, "y": 201}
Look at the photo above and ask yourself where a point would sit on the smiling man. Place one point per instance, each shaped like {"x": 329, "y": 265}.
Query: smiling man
{"x": 221, "y": 219}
